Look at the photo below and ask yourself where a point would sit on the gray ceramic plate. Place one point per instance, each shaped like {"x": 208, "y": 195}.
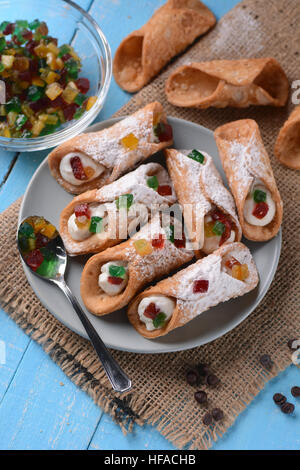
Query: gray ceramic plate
{"x": 45, "y": 197}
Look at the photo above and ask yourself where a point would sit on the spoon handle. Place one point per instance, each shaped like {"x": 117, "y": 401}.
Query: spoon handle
{"x": 119, "y": 380}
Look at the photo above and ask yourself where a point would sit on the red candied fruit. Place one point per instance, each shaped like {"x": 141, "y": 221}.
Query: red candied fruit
{"x": 31, "y": 45}
{"x": 180, "y": 243}
{"x": 41, "y": 240}
{"x": 218, "y": 215}
{"x": 82, "y": 210}
{"x": 69, "y": 111}
{"x": 25, "y": 76}
{"x": 115, "y": 280}
{"x": 34, "y": 259}
{"x": 9, "y": 29}
{"x": 158, "y": 242}
{"x": 164, "y": 190}
{"x": 39, "y": 105}
{"x": 27, "y": 35}
{"x": 167, "y": 133}
{"x": 77, "y": 168}
{"x": 260, "y": 210}
{"x": 151, "y": 311}
{"x": 66, "y": 57}
{"x": 231, "y": 262}
{"x": 200, "y": 287}
{"x": 83, "y": 85}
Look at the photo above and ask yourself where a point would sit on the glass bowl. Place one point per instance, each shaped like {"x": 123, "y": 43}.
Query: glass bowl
{"x": 70, "y": 24}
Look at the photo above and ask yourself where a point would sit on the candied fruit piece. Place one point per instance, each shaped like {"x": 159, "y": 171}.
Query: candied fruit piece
{"x": 7, "y": 61}
{"x": 260, "y": 210}
{"x": 34, "y": 93}
{"x": 197, "y": 156}
{"x": 164, "y": 190}
{"x": 180, "y": 243}
{"x": 70, "y": 92}
{"x": 83, "y": 85}
{"x": 90, "y": 102}
{"x": 142, "y": 247}
{"x": 31, "y": 244}
{"x": 51, "y": 77}
{"x": 82, "y": 225}
{"x": 117, "y": 271}
{"x": 159, "y": 320}
{"x": 37, "y": 81}
{"x": 41, "y": 240}
{"x": 163, "y": 132}
{"x": 151, "y": 311}
{"x": 38, "y": 224}
{"x": 37, "y": 127}
{"x": 69, "y": 111}
{"x": 41, "y": 51}
{"x": 49, "y": 231}
{"x": 34, "y": 259}
{"x": 115, "y": 280}
{"x": 208, "y": 229}
{"x": 82, "y": 210}
{"x": 124, "y": 201}
{"x": 89, "y": 171}
{"x": 53, "y": 90}
{"x": 130, "y": 142}
{"x": 77, "y": 168}
{"x": 200, "y": 286}
{"x": 21, "y": 64}
{"x": 152, "y": 182}
{"x": 96, "y": 224}
{"x": 231, "y": 262}
{"x": 158, "y": 241}
{"x": 240, "y": 271}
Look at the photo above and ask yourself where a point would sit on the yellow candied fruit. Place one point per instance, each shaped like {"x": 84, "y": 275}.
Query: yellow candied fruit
{"x": 11, "y": 118}
{"x": 51, "y": 60}
{"x": 38, "y": 82}
{"x": 51, "y": 119}
{"x": 41, "y": 51}
{"x": 52, "y": 77}
{"x": 7, "y": 61}
{"x": 53, "y": 48}
{"x": 59, "y": 63}
{"x": 208, "y": 229}
{"x": 142, "y": 247}
{"x": 53, "y": 90}
{"x": 81, "y": 225}
{"x": 37, "y": 126}
{"x": 70, "y": 92}
{"x": 6, "y": 133}
{"x": 90, "y": 102}
{"x": 38, "y": 224}
{"x": 24, "y": 85}
{"x": 156, "y": 119}
{"x": 240, "y": 271}
{"x": 89, "y": 171}
{"x": 31, "y": 244}
{"x": 48, "y": 231}
{"x": 130, "y": 141}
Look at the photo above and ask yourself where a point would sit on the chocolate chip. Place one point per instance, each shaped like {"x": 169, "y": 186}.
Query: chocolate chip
{"x": 203, "y": 370}
{"x": 290, "y": 344}
{"x": 266, "y": 361}
{"x": 192, "y": 377}
{"x": 287, "y": 408}
{"x": 279, "y": 399}
{"x": 207, "y": 419}
{"x": 212, "y": 380}
{"x": 295, "y": 391}
{"x": 200, "y": 397}
{"x": 217, "y": 414}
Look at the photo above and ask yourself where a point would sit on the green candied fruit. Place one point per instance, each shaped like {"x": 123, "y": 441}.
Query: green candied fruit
{"x": 49, "y": 128}
{"x": 80, "y": 99}
{"x": 13, "y": 105}
{"x": 27, "y": 230}
{"x": 26, "y": 134}
{"x": 72, "y": 68}
{"x": 34, "y": 93}
{"x": 23, "y": 242}
{"x": 170, "y": 232}
{"x": 64, "y": 49}
{"x": 20, "y": 121}
{"x": 78, "y": 113}
{"x": 2, "y": 44}
{"x": 125, "y": 201}
{"x": 96, "y": 224}
{"x": 117, "y": 271}
{"x": 48, "y": 255}
{"x": 1, "y": 67}
{"x": 197, "y": 156}
{"x": 34, "y": 24}
{"x": 218, "y": 228}
{"x": 152, "y": 182}
{"x": 21, "y": 23}
{"x": 259, "y": 196}
{"x": 159, "y": 320}
{"x": 47, "y": 268}
{"x": 3, "y": 25}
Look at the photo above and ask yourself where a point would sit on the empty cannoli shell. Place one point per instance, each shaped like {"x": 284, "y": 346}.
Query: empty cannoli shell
{"x": 221, "y": 83}
{"x": 198, "y": 187}
{"x": 141, "y": 269}
{"x": 134, "y": 183}
{"x": 180, "y": 287}
{"x": 173, "y": 27}
{"x": 106, "y": 148}
{"x": 244, "y": 160}
{"x": 287, "y": 146}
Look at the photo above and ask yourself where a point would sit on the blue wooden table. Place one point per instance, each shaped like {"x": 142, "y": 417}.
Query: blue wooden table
{"x": 40, "y": 408}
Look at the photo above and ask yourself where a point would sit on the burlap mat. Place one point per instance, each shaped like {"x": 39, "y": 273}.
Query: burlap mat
{"x": 160, "y": 394}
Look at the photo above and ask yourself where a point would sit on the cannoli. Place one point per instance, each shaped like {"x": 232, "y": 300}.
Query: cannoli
{"x": 207, "y": 206}
{"x": 251, "y": 180}
{"x": 221, "y": 83}
{"x": 287, "y": 146}
{"x": 173, "y": 27}
{"x": 112, "y": 278}
{"x": 227, "y": 273}
{"x": 98, "y": 219}
{"x": 92, "y": 160}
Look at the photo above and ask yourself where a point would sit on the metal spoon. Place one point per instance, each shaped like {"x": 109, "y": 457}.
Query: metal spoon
{"x": 52, "y": 269}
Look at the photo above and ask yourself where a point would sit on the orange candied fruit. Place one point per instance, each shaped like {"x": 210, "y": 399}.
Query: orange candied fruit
{"x": 39, "y": 224}
{"x": 48, "y": 231}
{"x": 208, "y": 229}
{"x": 130, "y": 141}
{"x": 84, "y": 225}
{"x": 89, "y": 171}
{"x": 156, "y": 119}
{"x": 90, "y": 102}
{"x": 240, "y": 271}
{"x": 142, "y": 247}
